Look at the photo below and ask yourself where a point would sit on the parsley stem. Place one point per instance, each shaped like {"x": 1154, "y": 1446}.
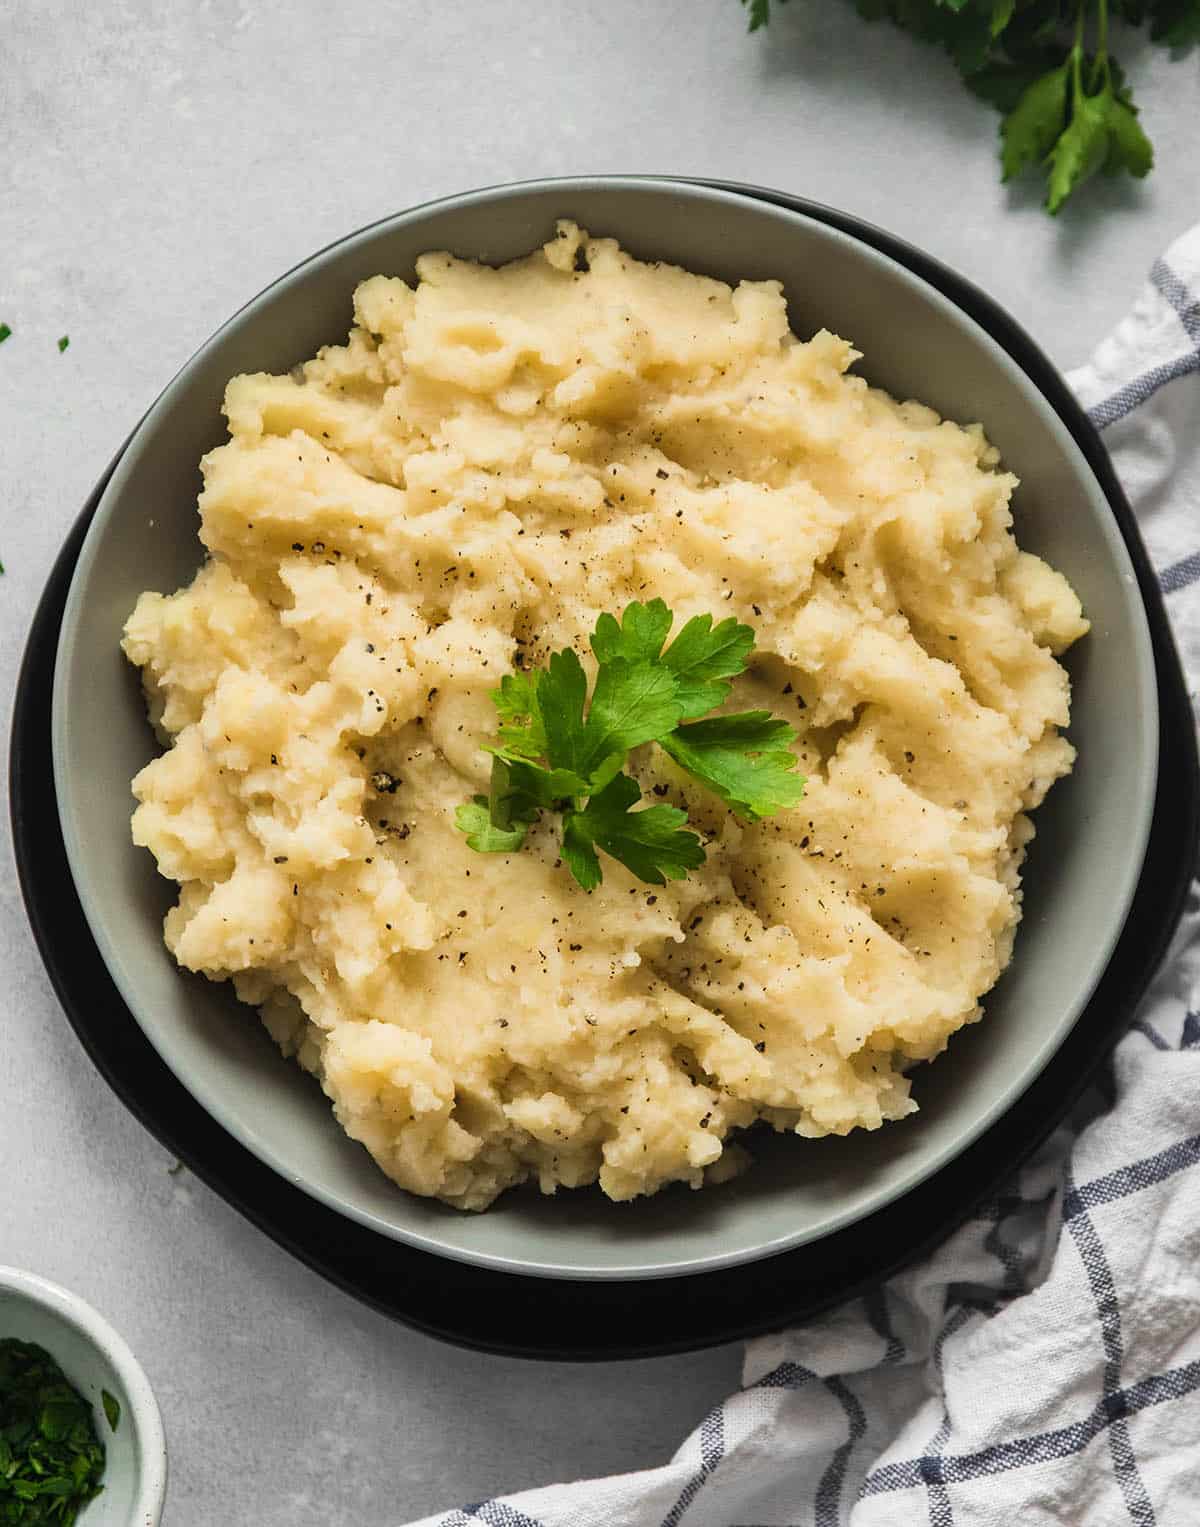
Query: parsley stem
{"x": 1077, "y": 53}
{"x": 1099, "y": 72}
{"x": 1100, "y": 68}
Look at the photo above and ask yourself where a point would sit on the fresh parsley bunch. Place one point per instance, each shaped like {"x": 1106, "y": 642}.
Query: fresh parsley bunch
{"x": 557, "y": 752}
{"x": 1045, "y": 64}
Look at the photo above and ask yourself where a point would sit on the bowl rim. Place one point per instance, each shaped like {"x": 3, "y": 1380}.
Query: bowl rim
{"x": 1137, "y": 824}
{"x": 144, "y": 1415}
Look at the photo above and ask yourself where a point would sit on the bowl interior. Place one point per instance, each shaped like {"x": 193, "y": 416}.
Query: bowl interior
{"x": 1081, "y": 869}
{"x": 95, "y": 1359}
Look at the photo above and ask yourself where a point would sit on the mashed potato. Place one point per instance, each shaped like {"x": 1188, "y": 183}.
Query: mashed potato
{"x": 493, "y": 459}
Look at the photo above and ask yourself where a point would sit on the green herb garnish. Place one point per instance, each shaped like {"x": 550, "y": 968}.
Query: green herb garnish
{"x": 51, "y": 1461}
{"x": 556, "y": 751}
{"x": 1046, "y": 65}
{"x": 63, "y": 343}
{"x": 5, "y": 331}
{"x": 112, "y": 1408}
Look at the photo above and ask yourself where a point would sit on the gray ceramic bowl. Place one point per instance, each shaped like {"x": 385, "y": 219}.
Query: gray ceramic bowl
{"x": 95, "y": 1358}
{"x": 1081, "y": 872}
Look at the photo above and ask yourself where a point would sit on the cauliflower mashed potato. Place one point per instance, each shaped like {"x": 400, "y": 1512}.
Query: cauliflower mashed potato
{"x": 494, "y": 458}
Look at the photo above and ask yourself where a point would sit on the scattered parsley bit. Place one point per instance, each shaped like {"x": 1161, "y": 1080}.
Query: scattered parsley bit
{"x": 557, "y": 752}
{"x": 112, "y": 1408}
{"x": 5, "y": 332}
{"x": 63, "y": 342}
{"x": 51, "y": 1461}
{"x": 1045, "y": 64}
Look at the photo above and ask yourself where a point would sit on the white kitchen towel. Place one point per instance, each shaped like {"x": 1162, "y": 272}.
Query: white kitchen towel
{"x": 1043, "y": 1366}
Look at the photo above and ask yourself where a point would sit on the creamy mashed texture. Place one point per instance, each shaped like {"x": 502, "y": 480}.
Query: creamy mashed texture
{"x": 494, "y": 458}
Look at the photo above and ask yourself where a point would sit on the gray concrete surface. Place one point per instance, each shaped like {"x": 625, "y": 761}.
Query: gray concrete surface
{"x": 161, "y": 163}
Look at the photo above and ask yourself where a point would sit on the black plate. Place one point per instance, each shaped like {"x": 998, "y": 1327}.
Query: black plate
{"x": 542, "y": 1318}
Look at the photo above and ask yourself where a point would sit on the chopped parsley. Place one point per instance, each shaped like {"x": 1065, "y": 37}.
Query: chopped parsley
{"x": 5, "y": 331}
{"x": 557, "y": 751}
{"x": 63, "y": 342}
{"x": 51, "y": 1460}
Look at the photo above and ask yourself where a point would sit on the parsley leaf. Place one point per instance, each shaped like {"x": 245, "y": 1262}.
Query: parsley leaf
{"x": 521, "y": 788}
{"x": 1103, "y": 131}
{"x": 5, "y": 331}
{"x": 1128, "y": 146}
{"x": 746, "y": 759}
{"x": 969, "y": 42}
{"x": 631, "y": 704}
{"x": 521, "y": 730}
{"x": 1034, "y": 124}
{"x": 561, "y": 695}
{"x": 1176, "y": 23}
{"x": 1003, "y": 84}
{"x": 653, "y": 842}
{"x": 639, "y": 635}
{"x": 702, "y": 656}
{"x": 579, "y": 853}
{"x": 760, "y": 12}
{"x": 1081, "y": 150}
{"x": 475, "y": 819}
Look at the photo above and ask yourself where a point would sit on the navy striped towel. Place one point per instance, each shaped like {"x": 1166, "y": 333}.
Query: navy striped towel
{"x": 1043, "y": 1367}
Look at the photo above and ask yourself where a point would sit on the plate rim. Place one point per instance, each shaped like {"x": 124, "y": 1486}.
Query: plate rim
{"x": 874, "y": 1195}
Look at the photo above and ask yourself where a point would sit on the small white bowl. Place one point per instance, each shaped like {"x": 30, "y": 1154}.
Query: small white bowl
{"x": 94, "y": 1357}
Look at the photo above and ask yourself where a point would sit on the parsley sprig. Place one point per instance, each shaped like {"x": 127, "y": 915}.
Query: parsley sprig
{"x": 1046, "y": 65}
{"x": 556, "y": 751}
